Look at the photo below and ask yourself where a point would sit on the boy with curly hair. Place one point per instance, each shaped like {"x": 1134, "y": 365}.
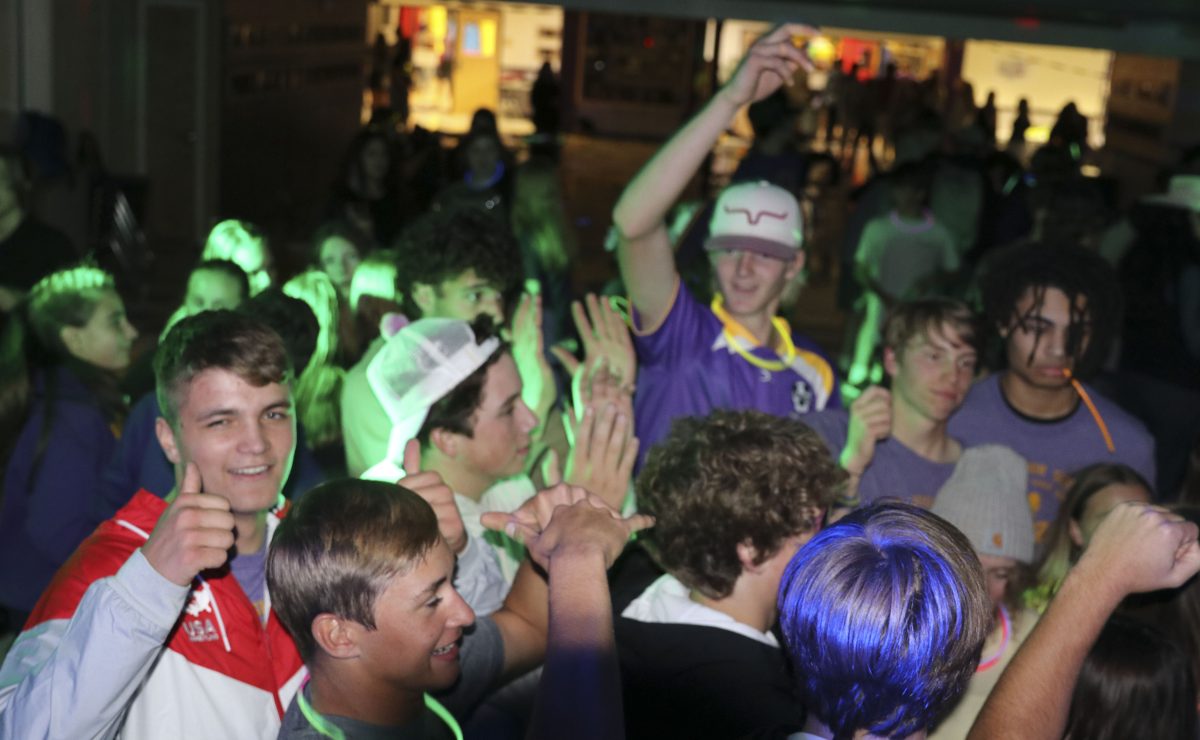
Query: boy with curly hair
{"x": 734, "y": 495}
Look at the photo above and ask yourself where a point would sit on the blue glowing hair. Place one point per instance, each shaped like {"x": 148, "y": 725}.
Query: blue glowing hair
{"x": 884, "y": 615}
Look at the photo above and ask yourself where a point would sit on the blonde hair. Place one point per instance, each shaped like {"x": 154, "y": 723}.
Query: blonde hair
{"x": 229, "y": 240}
{"x": 228, "y": 237}
{"x": 376, "y": 277}
{"x": 1061, "y": 551}
{"x": 924, "y": 317}
{"x": 539, "y": 217}
{"x": 65, "y": 298}
{"x": 319, "y": 387}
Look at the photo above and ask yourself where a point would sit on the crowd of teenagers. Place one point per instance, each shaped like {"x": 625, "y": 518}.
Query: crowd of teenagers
{"x": 417, "y": 491}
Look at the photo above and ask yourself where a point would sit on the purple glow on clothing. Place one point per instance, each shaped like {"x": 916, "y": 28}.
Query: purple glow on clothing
{"x": 1055, "y": 449}
{"x": 687, "y": 368}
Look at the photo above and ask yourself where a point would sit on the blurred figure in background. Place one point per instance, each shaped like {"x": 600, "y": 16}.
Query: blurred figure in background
{"x": 547, "y": 242}
{"x": 366, "y": 192}
{"x": 338, "y": 250}
{"x": 318, "y": 390}
{"x": 62, "y": 413}
{"x": 29, "y": 250}
{"x": 243, "y": 244}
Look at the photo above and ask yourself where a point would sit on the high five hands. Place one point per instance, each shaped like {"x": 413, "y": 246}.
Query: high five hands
{"x": 567, "y": 519}
{"x": 600, "y": 424}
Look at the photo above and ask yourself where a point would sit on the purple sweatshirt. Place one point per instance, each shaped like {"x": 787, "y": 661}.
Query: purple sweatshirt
{"x": 691, "y": 365}
{"x": 1055, "y": 448}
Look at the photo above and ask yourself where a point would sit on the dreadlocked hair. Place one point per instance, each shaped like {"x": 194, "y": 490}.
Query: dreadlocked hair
{"x": 1087, "y": 281}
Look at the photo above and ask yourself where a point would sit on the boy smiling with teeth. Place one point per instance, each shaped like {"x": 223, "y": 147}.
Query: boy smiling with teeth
{"x": 362, "y": 578}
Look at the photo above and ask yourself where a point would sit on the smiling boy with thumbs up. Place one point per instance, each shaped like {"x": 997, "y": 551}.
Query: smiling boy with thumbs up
{"x": 160, "y": 624}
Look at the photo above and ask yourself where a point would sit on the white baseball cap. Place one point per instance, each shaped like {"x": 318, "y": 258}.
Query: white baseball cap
{"x": 756, "y": 217}
{"x": 415, "y": 369}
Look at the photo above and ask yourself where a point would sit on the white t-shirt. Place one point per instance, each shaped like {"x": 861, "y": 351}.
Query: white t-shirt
{"x": 898, "y": 253}
{"x": 666, "y": 601}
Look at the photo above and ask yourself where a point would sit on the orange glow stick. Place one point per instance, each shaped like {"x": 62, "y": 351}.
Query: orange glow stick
{"x": 1091, "y": 407}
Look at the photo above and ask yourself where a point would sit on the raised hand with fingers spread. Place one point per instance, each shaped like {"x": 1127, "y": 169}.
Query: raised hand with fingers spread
{"x": 528, "y": 351}
{"x": 194, "y": 534}
{"x": 603, "y": 453}
{"x": 605, "y": 336}
{"x": 600, "y": 423}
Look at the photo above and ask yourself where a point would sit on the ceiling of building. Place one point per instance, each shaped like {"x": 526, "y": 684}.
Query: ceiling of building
{"x": 1153, "y": 27}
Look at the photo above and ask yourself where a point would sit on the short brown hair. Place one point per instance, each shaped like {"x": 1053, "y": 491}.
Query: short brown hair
{"x": 731, "y": 478}
{"x": 224, "y": 340}
{"x": 926, "y": 317}
{"x": 338, "y": 549}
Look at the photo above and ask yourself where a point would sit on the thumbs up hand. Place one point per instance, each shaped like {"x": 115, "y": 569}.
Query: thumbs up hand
{"x": 430, "y": 486}
{"x": 194, "y": 534}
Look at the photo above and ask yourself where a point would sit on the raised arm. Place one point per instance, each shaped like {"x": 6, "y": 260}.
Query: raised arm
{"x": 645, "y": 257}
{"x": 528, "y": 351}
{"x": 75, "y": 677}
{"x": 580, "y": 691}
{"x": 1136, "y": 548}
{"x": 870, "y": 422}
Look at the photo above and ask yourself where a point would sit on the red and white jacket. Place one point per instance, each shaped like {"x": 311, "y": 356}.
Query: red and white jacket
{"x": 91, "y": 660}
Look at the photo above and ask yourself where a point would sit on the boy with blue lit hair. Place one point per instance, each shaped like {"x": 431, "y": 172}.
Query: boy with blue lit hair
{"x": 884, "y": 615}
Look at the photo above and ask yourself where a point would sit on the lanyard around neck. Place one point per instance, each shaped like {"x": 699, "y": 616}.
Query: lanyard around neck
{"x": 734, "y": 331}
{"x": 995, "y": 657}
{"x": 322, "y": 725}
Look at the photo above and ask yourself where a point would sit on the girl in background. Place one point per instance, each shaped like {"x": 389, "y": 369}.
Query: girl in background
{"x": 318, "y": 390}
{"x": 60, "y": 416}
{"x": 338, "y": 251}
{"x": 244, "y": 245}
{"x": 366, "y": 193}
{"x": 1096, "y": 490}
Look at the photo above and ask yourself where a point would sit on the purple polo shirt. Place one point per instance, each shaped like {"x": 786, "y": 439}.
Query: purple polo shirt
{"x": 689, "y": 366}
{"x": 1054, "y": 448}
{"x": 895, "y": 472}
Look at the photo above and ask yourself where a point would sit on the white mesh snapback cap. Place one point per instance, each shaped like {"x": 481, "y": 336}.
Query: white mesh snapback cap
{"x": 756, "y": 217}
{"x": 418, "y": 366}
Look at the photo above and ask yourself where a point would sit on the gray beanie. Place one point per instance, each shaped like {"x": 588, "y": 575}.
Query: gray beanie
{"x": 986, "y": 499}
